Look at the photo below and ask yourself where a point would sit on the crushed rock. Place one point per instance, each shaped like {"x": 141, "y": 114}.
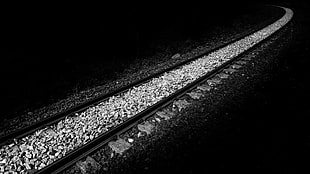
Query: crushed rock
{"x": 195, "y": 95}
{"x": 222, "y": 75}
{"x": 240, "y": 62}
{"x": 176, "y": 56}
{"x": 119, "y": 146}
{"x": 139, "y": 134}
{"x": 165, "y": 114}
{"x": 130, "y": 140}
{"x": 236, "y": 66}
{"x": 88, "y": 166}
{"x": 246, "y": 58}
{"x": 214, "y": 81}
{"x": 157, "y": 119}
{"x": 229, "y": 70}
{"x": 146, "y": 127}
{"x": 204, "y": 87}
{"x": 181, "y": 104}
{"x": 50, "y": 132}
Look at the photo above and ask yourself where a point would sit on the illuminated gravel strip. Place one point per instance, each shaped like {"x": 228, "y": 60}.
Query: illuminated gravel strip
{"x": 51, "y": 143}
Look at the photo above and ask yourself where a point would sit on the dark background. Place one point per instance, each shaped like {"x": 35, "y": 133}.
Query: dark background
{"x": 50, "y": 51}
{"x": 39, "y": 45}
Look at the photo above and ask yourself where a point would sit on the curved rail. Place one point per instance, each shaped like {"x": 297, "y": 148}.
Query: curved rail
{"x": 239, "y": 46}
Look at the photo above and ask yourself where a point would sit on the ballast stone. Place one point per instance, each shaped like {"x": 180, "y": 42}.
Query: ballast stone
{"x": 119, "y": 146}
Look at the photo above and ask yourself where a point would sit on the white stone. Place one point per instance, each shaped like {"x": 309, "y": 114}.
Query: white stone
{"x": 3, "y": 161}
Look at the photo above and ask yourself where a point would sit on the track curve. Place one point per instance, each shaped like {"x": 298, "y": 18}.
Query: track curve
{"x": 198, "y": 70}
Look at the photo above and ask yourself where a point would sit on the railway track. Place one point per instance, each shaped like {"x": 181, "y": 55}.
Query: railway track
{"x": 208, "y": 68}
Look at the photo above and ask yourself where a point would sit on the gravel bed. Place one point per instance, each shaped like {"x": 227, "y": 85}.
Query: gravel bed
{"x": 172, "y": 147}
{"x": 139, "y": 69}
{"x": 45, "y": 146}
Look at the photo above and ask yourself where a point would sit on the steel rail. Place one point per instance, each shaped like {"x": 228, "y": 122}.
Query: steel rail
{"x": 81, "y": 152}
{"x": 80, "y": 107}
